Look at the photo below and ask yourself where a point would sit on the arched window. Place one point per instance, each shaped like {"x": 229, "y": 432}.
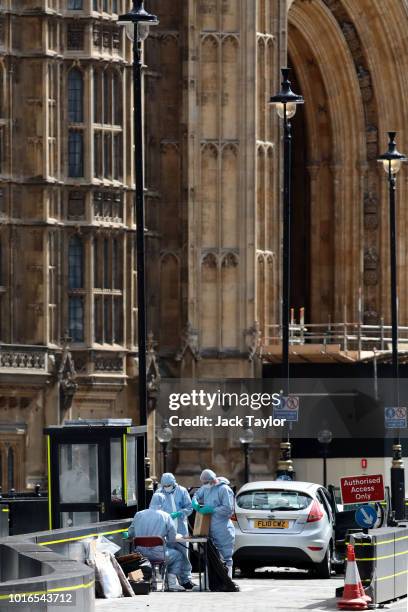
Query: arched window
{"x": 10, "y": 468}
{"x": 75, "y": 96}
{"x": 75, "y": 264}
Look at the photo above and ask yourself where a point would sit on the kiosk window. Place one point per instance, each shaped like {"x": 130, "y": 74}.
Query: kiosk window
{"x": 131, "y": 474}
{"x": 78, "y": 477}
{"x": 73, "y": 519}
{"x": 116, "y": 469}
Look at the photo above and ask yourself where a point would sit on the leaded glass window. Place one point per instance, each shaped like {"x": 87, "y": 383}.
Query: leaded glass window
{"x": 75, "y": 154}
{"x": 75, "y": 96}
{"x": 76, "y": 318}
{"x": 75, "y": 263}
{"x": 75, "y": 5}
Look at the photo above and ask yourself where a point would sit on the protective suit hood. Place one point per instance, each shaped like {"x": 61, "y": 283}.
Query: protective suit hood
{"x": 222, "y": 480}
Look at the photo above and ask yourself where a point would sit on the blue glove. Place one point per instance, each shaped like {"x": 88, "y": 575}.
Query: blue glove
{"x": 206, "y": 510}
{"x": 195, "y": 504}
{"x": 176, "y": 515}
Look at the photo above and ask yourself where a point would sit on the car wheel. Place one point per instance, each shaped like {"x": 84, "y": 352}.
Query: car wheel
{"x": 339, "y": 569}
{"x": 324, "y": 569}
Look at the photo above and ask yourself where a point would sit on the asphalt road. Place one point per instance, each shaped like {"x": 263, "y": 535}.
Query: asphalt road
{"x": 275, "y": 590}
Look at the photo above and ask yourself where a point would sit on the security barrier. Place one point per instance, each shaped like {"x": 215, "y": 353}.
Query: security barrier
{"x": 33, "y": 577}
{"x": 41, "y": 570}
{"x": 382, "y": 558}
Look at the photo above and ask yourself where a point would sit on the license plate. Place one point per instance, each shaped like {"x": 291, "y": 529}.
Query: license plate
{"x": 270, "y": 524}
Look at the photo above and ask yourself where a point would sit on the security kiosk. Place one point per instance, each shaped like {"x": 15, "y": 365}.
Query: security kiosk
{"x": 95, "y": 471}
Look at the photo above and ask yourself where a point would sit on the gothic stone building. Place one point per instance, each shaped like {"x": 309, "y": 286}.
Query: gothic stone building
{"x": 213, "y": 200}
{"x": 66, "y": 224}
{"x": 214, "y": 150}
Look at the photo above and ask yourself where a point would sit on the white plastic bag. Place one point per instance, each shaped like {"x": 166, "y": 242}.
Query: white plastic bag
{"x": 108, "y": 577}
{"x": 104, "y": 545}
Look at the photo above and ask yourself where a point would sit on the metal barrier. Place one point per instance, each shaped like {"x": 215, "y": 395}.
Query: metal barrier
{"x": 382, "y": 559}
{"x": 21, "y": 507}
{"x": 44, "y": 569}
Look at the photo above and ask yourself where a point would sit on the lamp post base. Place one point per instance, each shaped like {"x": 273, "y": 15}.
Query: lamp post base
{"x": 285, "y": 466}
{"x": 398, "y": 482}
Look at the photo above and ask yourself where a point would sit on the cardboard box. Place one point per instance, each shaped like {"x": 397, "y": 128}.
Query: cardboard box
{"x": 140, "y": 588}
{"x": 202, "y": 524}
{"x": 136, "y": 576}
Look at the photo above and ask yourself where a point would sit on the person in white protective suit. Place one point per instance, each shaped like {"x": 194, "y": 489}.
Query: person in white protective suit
{"x": 178, "y": 505}
{"x": 218, "y": 501}
{"x": 156, "y": 522}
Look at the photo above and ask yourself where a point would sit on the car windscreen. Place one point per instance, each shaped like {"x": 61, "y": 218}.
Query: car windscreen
{"x": 273, "y": 499}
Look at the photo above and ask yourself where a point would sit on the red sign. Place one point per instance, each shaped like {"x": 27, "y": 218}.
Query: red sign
{"x": 364, "y": 464}
{"x": 362, "y": 489}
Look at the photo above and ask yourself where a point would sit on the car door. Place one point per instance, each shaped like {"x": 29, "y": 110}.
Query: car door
{"x": 344, "y": 520}
{"x": 321, "y": 496}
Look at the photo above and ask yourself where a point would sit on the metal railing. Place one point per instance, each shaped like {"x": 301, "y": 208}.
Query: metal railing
{"x": 349, "y": 336}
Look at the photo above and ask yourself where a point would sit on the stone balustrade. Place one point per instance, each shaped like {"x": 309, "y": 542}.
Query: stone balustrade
{"x": 17, "y": 357}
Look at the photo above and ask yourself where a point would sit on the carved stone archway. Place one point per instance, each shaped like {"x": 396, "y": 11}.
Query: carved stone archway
{"x": 334, "y": 115}
{"x": 353, "y": 56}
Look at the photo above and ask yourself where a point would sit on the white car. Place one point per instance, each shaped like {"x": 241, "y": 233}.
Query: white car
{"x": 286, "y": 524}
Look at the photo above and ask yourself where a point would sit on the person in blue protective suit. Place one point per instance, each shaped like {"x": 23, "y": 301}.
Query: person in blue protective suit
{"x": 178, "y": 505}
{"x": 215, "y": 497}
{"x": 156, "y": 522}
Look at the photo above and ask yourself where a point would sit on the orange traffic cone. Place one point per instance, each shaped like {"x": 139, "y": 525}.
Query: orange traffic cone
{"x": 364, "y": 594}
{"x": 354, "y": 597}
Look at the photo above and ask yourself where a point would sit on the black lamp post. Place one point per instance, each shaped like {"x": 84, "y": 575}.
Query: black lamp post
{"x": 325, "y": 436}
{"x": 286, "y": 102}
{"x": 246, "y": 438}
{"x": 137, "y": 23}
{"x": 392, "y": 162}
{"x": 164, "y": 436}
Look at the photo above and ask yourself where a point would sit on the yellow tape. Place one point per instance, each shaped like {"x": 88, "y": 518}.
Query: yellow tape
{"x": 370, "y": 580}
{"x": 49, "y": 482}
{"x": 392, "y": 575}
{"x": 75, "y": 587}
{"x": 379, "y": 543}
{"x": 383, "y": 556}
{"x": 5, "y": 510}
{"x": 88, "y": 535}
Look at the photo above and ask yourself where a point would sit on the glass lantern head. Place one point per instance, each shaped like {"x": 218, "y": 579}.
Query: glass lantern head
{"x": 392, "y": 159}
{"x": 286, "y": 100}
